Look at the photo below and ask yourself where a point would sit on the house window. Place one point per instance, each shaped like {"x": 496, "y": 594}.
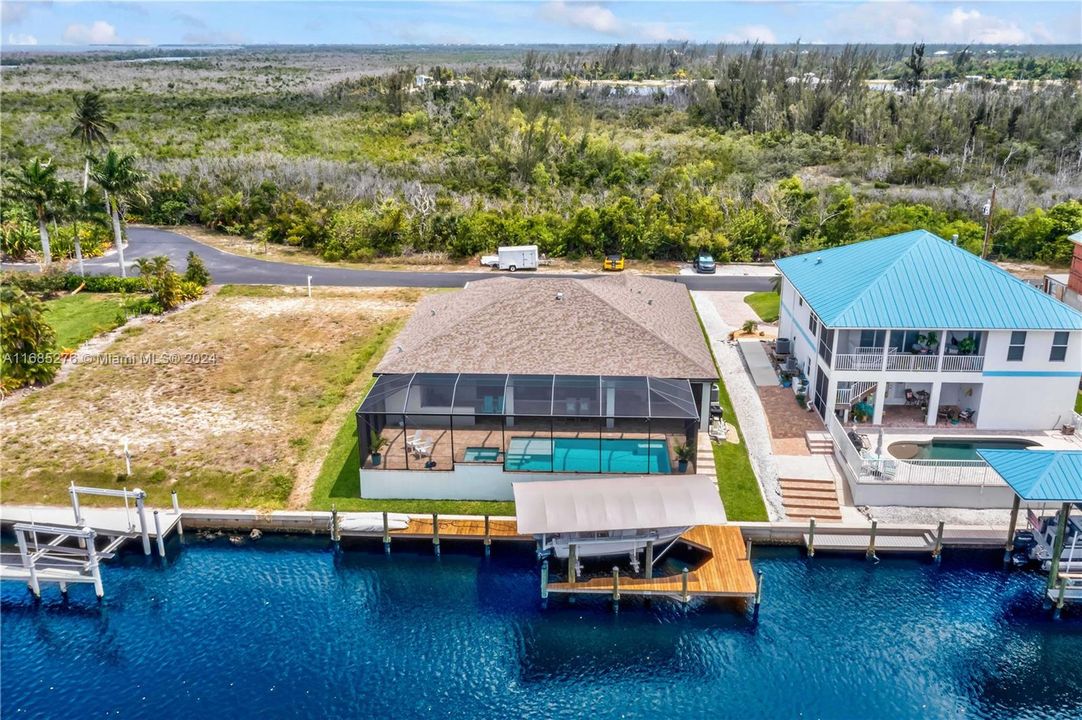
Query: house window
{"x": 813, "y": 324}
{"x": 436, "y": 396}
{"x": 826, "y": 346}
{"x": 1018, "y": 346}
{"x": 1059, "y": 347}
{"x": 872, "y": 338}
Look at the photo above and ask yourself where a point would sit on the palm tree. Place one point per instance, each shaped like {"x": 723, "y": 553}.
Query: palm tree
{"x": 91, "y": 126}
{"x": 117, "y": 175}
{"x": 78, "y": 206}
{"x": 35, "y": 183}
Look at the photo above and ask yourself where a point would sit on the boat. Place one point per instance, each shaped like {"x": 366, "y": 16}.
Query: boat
{"x": 1035, "y": 545}
{"x": 610, "y": 543}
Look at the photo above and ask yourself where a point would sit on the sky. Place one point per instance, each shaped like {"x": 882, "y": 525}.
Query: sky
{"x": 151, "y": 22}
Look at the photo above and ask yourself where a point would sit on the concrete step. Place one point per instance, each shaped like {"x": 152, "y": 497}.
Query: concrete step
{"x": 807, "y": 485}
{"x": 809, "y": 504}
{"x": 794, "y": 495}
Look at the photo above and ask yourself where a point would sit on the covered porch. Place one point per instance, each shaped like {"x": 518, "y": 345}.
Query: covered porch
{"x": 907, "y": 350}
{"x": 910, "y": 404}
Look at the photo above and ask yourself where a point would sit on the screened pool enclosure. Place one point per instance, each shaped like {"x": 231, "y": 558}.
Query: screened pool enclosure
{"x": 528, "y": 423}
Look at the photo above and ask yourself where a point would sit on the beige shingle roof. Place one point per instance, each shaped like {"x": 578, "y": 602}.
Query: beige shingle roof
{"x": 613, "y": 325}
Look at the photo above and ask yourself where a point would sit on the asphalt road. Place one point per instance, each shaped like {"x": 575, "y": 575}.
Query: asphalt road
{"x": 226, "y": 268}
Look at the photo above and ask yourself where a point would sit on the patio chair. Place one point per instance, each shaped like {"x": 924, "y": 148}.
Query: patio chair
{"x": 419, "y": 445}
{"x": 911, "y": 399}
{"x": 966, "y": 415}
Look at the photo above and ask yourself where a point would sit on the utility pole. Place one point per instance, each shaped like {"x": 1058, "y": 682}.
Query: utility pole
{"x": 989, "y": 208}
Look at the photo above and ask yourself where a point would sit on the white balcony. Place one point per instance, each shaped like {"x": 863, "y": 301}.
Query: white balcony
{"x": 963, "y": 363}
{"x": 913, "y": 363}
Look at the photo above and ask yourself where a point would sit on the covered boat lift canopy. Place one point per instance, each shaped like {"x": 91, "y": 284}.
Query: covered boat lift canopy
{"x": 1041, "y": 476}
{"x": 624, "y": 503}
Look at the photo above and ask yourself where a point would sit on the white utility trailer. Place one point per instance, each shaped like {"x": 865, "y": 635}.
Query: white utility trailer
{"x": 513, "y": 257}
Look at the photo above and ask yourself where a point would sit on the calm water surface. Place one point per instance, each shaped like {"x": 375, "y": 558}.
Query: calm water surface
{"x": 280, "y": 628}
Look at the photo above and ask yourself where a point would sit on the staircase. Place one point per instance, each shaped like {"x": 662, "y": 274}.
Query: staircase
{"x": 819, "y": 442}
{"x": 804, "y": 499}
{"x": 857, "y": 391}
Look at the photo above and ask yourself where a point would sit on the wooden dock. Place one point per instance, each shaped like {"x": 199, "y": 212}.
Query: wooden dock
{"x": 725, "y": 573}
{"x": 450, "y": 528}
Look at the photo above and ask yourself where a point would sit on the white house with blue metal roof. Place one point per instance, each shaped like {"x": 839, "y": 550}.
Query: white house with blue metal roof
{"x": 911, "y": 329}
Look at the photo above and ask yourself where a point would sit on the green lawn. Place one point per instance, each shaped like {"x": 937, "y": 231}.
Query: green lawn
{"x": 737, "y": 485}
{"x": 765, "y": 304}
{"x": 337, "y": 485}
{"x": 1078, "y": 403}
{"x": 77, "y": 318}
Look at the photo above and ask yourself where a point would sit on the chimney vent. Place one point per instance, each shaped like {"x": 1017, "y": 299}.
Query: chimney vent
{"x": 559, "y": 296}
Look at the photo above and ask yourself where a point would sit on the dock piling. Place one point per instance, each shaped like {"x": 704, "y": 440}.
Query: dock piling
{"x": 615, "y": 586}
{"x": 386, "y": 534}
{"x": 336, "y": 533}
{"x": 871, "y": 540}
{"x": 572, "y": 560}
{"x": 488, "y": 538}
{"x": 544, "y": 579}
{"x": 684, "y": 596}
{"x": 937, "y": 550}
{"x": 140, "y": 507}
{"x": 28, "y": 563}
{"x": 158, "y": 534}
{"x": 758, "y": 591}
{"x": 1060, "y": 597}
{"x": 436, "y": 533}
{"x": 176, "y": 511}
{"x": 811, "y": 537}
{"x": 92, "y": 561}
{"x": 649, "y": 559}
{"x": 1008, "y": 548}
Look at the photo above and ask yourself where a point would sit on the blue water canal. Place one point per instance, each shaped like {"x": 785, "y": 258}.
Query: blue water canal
{"x": 280, "y": 628}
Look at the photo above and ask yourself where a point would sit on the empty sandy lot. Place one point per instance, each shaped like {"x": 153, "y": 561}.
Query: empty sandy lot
{"x": 225, "y": 401}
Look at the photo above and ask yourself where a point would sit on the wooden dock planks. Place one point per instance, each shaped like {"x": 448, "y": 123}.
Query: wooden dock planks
{"x": 726, "y": 573}
{"x": 461, "y": 528}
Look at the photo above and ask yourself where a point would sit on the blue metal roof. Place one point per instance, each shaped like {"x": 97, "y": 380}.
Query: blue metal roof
{"x": 919, "y": 281}
{"x": 1039, "y": 475}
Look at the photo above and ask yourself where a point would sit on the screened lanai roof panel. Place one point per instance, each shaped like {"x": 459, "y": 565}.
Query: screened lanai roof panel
{"x": 625, "y": 397}
{"x": 388, "y": 395}
{"x": 431, "y": 393}
{"x": 528, "y": 395}
{"x": 533, "y": 395}
{"x": 672, "y": 399}
{"x": 576, "y": 396}
{"x": 480, "y": 394}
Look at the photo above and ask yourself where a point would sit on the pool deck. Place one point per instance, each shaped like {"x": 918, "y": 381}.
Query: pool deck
{"x": 726, "y": 572}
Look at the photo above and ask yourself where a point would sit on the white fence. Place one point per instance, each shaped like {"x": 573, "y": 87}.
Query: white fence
{"x": 963, "y": 363}
{"x": 865, "y": 466}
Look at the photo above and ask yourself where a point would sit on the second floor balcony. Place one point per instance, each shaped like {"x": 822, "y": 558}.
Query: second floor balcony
{"x": 910, "y": 351}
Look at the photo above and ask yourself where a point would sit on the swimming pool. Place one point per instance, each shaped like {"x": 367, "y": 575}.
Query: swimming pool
{"x": 953, "y": 449}
{"x": 284, "y": 628}
{"x": 597, "y": 455}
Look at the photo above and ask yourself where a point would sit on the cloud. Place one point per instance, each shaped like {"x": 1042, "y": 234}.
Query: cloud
{"x": 582, "y": 15}
{"x": 21, "y": 39}
{"x": 907, "y": 22}
{"x": 97, "y": 33}
{"x": 190, "y": 20}
{"x": 599, "y": 19}
{"x": 750, "y": 33}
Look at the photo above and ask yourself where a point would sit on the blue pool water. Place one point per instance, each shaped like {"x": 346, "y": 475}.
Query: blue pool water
{"x": 608, "y": 455}
{"x": 280, "y": 628}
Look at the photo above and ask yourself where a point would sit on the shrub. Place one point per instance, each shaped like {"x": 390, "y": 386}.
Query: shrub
{"x": 197, "y": 270}
{"x": 27, "y": 341}
{"x": 168, "y": 289}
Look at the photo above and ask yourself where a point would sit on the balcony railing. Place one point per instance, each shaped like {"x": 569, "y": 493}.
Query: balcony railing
{"x": 907, "y": 362}
{"x": 913, "y": 363}
{"x": 963, "y": 363}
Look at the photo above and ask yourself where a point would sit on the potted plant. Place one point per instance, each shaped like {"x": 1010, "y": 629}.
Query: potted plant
{"x": 684, "y": 453}
{"x": 967, "y": 346}
{"x": 377, "y": 444}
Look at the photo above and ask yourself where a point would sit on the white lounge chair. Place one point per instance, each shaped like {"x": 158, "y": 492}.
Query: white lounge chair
{"x": 419, "y": 445}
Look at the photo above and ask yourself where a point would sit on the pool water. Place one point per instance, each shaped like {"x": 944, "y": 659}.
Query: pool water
{"x": 597, "y": 455}
{"x": 481, "y": 454}
{"x": 283, "y": 628}
{"x": 951, "y": 449}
